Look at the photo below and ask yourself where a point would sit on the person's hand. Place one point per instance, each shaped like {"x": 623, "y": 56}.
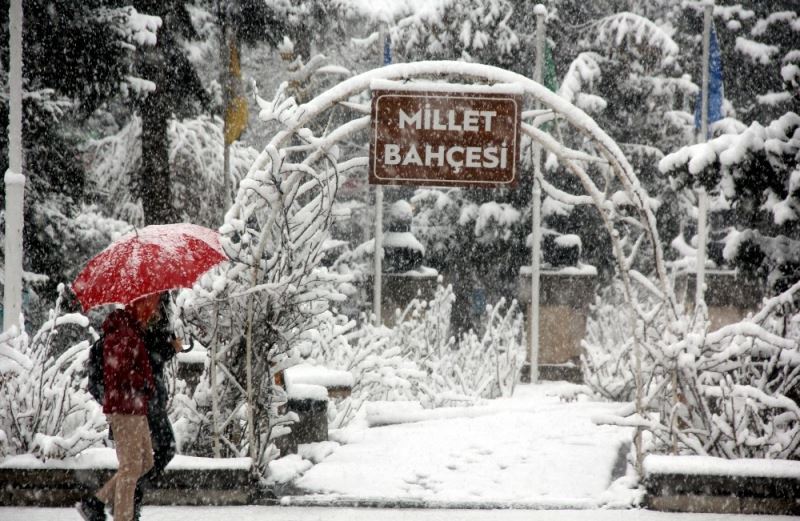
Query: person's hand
{"x": 177, "y": 345}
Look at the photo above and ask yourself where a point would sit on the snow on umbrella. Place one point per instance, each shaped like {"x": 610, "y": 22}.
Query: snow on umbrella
{"x": 150, "y": 260}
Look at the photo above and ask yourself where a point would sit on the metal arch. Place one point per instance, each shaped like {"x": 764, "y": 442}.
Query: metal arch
{"x": 612, "y": 153}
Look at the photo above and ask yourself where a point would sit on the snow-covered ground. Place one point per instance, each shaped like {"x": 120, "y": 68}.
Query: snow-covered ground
{"x": 256, "y": 513}
{"x": 533, "y": 450}
{"x": 536, "y": 456}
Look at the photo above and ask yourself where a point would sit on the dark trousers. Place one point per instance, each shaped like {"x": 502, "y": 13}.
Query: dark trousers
{"x": 163, "y": 440}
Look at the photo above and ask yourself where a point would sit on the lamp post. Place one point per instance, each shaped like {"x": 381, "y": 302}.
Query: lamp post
{"x": 536, "y": 206}
{"x": 14, "y": 178}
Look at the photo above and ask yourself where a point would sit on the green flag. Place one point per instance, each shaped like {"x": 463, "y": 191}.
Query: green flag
{"x": 549, "y": 77}
{"x": 549, "y": 72}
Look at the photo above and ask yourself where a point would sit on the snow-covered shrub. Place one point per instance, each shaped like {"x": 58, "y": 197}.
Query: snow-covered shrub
{"x": 419, "y": 358}
{"x": 730, "y": 393}
{"x": 607, "y": 358}
{"x": 187, "y": 412}
{"x": 488, "y": 365}
{"x": 45, "y": 409}
{"x": 733, "y": 393}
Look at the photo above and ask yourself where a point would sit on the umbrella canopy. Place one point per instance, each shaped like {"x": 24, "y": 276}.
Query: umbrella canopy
{"x": 150, "y": 260}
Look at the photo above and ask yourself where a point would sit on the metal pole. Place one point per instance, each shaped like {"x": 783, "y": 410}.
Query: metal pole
{"x": 14, "y": 178}
{"x": 536, "y": 207}
{"x": 214, "y": 395}
{"x": 377, "y": 279}
{"x": 702, "y": 197}
{"x": 226, "y": 173}
{"x": 226, "y": 99}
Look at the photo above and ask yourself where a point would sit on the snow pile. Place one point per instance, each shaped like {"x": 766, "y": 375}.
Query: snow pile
{"x": 291, "y": 467}
{"x": 106, "y": 458}
{"x": 317, "y": 375}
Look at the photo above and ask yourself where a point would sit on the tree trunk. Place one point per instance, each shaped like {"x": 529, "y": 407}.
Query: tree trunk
{"x": 155, "y": 186}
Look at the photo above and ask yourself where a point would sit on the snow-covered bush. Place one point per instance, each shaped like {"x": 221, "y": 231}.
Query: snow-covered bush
{"x": 730, "y": 393}
{"x": 45, "y": 409}
{"x": 607, "y": 357}
{"x": 733, "y": 393}
{"x": 419, "y": 358}
{"x": 488, "y": 364}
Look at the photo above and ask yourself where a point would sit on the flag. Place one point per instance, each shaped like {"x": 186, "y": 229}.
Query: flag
{"x": 549, "y": 77}
{"x": 549, "y": 73}
{"x": 236, "y": 109}
{"x": 387, "y": 50}
{"x": 716, "y": 90}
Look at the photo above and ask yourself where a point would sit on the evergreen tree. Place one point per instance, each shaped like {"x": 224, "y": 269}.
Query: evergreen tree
{"x": 76, "y": 55}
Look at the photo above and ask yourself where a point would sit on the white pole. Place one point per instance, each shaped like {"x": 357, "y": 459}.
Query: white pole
{"x": 377, "y": 279}
{"x": 536, "y": 208}
{"x": 702, "y": 197}
{"x": 14, "y": 178}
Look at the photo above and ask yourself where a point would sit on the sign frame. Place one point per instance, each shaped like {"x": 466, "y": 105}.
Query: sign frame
{"x": 445, "y": 175}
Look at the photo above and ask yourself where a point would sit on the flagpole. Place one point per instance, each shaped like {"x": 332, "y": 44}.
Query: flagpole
{"x": 536, "y": 207}
{"x": 702, "y": 197}
{"x": 227, "y": 94}
{"x": 377, "y": 279}
{"x": 14, "y": 179}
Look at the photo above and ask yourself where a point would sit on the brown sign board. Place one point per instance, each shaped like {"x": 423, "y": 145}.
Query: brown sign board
{"x": 444, "y": 138}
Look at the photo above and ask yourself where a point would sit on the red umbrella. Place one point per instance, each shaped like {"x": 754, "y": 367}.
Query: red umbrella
{"x": 150, "y": 260}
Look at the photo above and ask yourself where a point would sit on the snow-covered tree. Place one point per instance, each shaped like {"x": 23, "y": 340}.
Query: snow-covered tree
{"x": 754, "y": 181}
{"x": 77, "y": 56}
{"x": 195, "y": 160}
{"x": 270, "y": 299}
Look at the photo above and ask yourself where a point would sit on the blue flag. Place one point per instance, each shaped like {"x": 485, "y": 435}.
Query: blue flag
{"x": 716, "y": 90}
{"x": 387, "y": 50}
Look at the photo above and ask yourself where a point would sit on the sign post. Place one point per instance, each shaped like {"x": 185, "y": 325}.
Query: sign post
{"x": 444, "y": 138}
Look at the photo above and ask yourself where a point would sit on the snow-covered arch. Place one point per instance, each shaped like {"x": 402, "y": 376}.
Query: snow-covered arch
{"x": 276, "y": 228}
{"x": 296, "y": 119}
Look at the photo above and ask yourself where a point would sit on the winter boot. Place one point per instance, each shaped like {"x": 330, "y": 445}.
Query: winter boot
{"x": 92, "y": 509}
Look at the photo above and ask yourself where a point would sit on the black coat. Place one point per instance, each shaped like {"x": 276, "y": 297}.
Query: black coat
{"x": 158, "y": 340}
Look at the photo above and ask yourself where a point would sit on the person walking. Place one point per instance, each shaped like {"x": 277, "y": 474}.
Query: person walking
{"x": 162, "y": 346}
{"x": 129, "y": 386}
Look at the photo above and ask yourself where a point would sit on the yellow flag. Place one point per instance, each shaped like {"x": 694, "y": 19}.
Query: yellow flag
{"x": 236, "y": 111}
